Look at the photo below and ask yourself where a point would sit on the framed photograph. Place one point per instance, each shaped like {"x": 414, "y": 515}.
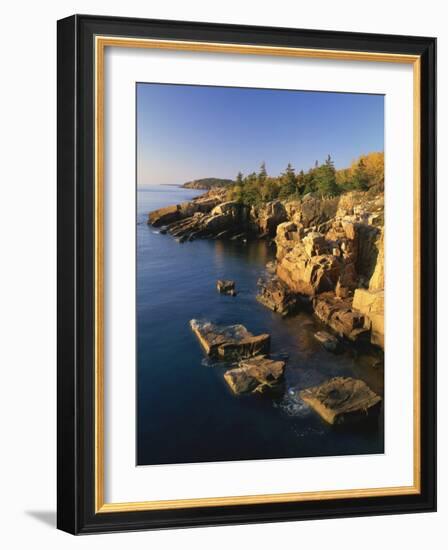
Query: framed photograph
{"x": 246, "y": 274}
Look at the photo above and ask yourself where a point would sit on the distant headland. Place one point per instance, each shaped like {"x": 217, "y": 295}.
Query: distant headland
{"x": 207, "y": 183}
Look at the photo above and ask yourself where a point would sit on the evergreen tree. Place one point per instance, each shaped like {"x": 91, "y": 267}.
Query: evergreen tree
{"x": 326, "y": 179}
{"x": 309, "y": 181}
{"x": 235, "y": 192}
{"x": 301, "y": 182}
{"x": 288, "y": 182}
{"x": 360, "y": 180}
{"x": 262, "y": 174}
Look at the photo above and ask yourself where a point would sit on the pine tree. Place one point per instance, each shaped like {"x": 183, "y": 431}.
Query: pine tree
{"x": 239, "y": 179}
{"x": 360, "y": 180}
{"x": 288, "y": 182}
{"x": 262, "y": 174}
{"x": 301, "y": 182}
{"x": 326, "y": 179}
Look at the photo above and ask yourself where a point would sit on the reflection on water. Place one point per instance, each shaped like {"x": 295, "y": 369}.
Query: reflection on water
{"x": 186, "y": 413}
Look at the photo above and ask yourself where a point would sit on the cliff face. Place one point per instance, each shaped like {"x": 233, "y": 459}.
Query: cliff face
{"x": 330, "y": 252}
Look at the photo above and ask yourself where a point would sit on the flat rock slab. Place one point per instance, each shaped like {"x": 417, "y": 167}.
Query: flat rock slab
{"x": 226, "y": 287}
{"x": 229, "y": 343}
{"x": 342, "y": 400}
{"x": 258, "y": 374}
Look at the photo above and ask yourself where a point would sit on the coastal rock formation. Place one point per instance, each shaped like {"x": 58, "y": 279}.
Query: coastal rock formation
{"x": 165, "y": 215}
{"x": 218, "y": 220}
{"x": 309, "y": 275}
{"x": 258, "y": 374}
{"x": 331, "y": 250}
{"x": 328, "y": 341}
{"x": 226, "y": 287}
{"x": 339, "y": 315}
{"x": 371, "y": 304}
{"x": 264, "y": 219}
{"x": 169, "y": 214}
{"x": 288, "y": 235}
{"x": 229, "y": 343}
{"x": 275, "y": 295}
{"x": 211, "y": 216}
{"x": 343, "y": 400}
{"x": 311, "y": 210}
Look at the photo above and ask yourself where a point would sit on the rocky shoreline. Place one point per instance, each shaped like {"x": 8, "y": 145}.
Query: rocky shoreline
{"x": 329, "y": 260}
{"x": 330, "y": 253}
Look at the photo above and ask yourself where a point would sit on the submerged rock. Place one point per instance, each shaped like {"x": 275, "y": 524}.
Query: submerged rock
{"x": 226, "y": 287}
{"x": 229, "y": 343}
{"x": 328, "y": 341}
{"x": 258, "y": 374}
{"x": 343, "y": 400}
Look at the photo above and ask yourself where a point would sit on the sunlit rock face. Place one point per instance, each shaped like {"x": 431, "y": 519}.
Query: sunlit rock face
{"x": 336, "y": 247}
{"x": 371, "y": 304}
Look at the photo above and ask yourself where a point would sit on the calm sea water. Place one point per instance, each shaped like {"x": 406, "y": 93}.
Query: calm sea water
{"x": 186, "y": 412}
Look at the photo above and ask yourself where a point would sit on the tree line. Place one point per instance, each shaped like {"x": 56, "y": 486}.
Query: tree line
{"x": 365, "y": 173}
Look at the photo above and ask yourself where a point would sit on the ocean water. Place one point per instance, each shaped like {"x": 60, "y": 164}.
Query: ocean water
{"x": 185, "y": 411}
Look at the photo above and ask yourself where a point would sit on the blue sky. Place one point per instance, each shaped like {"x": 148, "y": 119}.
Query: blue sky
{"x": 191, "y": 132}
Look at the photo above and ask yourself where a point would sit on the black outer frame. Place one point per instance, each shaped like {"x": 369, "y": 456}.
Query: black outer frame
{"x": 75, "y": 404}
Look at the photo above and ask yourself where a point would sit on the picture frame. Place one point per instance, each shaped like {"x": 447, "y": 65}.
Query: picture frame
{"x": 82, "y": 41}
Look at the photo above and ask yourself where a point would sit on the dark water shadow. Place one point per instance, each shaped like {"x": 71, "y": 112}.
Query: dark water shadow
{"x": 48, "y": 517}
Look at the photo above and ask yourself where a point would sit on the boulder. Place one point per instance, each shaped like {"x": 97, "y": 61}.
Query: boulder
{"x": 229, "y": 343}
{"x": 339, "y": 315}
{"x": 288, "y": 235}
{"x": 226, "y": 287}
{"x": 276, "y": 296}
{"x": 309, "y": 276}
{"x": 258, "y": 374}
{"x": 328, "y": 341}
{"x": 343, "y": 400}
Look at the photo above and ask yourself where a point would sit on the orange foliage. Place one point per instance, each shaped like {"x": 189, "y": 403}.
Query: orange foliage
{"x": 374, "y": 167}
